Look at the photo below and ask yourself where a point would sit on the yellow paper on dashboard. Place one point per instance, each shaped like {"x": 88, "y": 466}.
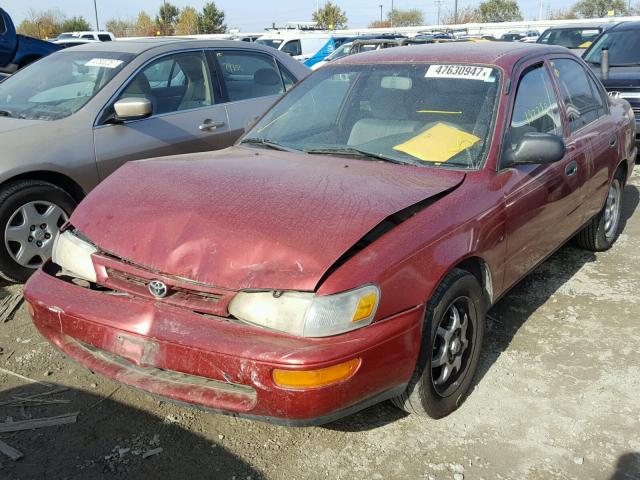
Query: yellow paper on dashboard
{"x": 438, "y": 144}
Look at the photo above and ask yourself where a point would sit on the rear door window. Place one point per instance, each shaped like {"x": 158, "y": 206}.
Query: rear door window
{"x": 103, "y": 37}
{"x": 583, "y": 104}
{"x": 536, "y": 107}
{"x": 249, "y": 75}
{"x": 3, "y": 26}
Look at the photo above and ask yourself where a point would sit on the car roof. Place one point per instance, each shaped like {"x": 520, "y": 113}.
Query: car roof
{"x": 503, "y": 54}
{"x": 580, "y": 25}
{"x": 140, "y": 45}
{"x": 626, "y": 26}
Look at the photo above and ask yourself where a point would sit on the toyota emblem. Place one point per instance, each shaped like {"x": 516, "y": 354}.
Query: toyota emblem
{"x": 158, "y": 289}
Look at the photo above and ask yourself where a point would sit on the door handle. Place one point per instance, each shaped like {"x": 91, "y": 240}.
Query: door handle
{"x": 613, "y": 141}
{"x": 571, "y": 169}
{"x": 209, "y": 125}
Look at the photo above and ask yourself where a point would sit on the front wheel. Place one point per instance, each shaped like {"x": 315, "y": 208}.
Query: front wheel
{"x": 31, "y": 213}
{"x": 603, "y": 229}
{"x": 451, "y": 340}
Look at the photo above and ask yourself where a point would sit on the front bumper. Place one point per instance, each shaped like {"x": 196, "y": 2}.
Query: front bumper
{"x": 213, "y": 363}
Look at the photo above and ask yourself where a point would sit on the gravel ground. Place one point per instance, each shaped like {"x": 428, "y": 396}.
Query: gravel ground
{"x": 556, "y": 396}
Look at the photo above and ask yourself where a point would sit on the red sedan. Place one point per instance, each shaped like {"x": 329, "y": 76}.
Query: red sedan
{"x": 347, "y": 249}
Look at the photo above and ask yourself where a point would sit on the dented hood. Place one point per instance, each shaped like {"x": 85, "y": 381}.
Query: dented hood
{"x": 249, "y": 218}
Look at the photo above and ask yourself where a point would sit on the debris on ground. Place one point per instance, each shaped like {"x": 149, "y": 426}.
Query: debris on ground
{"x": 11, "y": 426}
{"x": 10, "y": 452}
{"x": 152, "y": 452}
{"x": 8, "y": 305}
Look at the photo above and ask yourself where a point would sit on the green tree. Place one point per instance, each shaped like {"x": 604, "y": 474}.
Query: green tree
{"x": 465, "y": 15}
{"x": 121, "y": 28}
{"x": 188, "y": 22}
{"x": 330, "y": 16}
{"x": 145, "y": 26}
{"x": 563, "y": 15}
{"x": 167, "y": 18}
{"x": 500, "y": 11}
{"x": 599, "y": 8}
{"x": 406, "y": 18}
{"x": 75, "y": 24}
{"x": 212, "y": 19}
{"x": 42, "y": 23}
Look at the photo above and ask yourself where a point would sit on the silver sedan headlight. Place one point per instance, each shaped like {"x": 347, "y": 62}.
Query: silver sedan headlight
{"x": 305, "y": 314}
{"x": 73, "y": 255}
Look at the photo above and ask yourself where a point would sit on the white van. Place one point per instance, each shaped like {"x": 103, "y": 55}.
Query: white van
{"x": 96, "y": 36}
{"x": 298, "y": 44}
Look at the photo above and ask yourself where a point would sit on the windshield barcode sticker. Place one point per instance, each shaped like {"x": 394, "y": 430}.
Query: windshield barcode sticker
{"x": 460, "y": 71}
{"x": 103, "y": 63}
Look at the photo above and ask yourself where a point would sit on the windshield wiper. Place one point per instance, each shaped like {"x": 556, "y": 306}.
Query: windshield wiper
{"x": 266, "y": 143}
{"x": 357, "y": 153}
{"x": 5, "y": 113}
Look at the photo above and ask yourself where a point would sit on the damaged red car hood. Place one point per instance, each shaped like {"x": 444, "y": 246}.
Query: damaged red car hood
{"x": 249, "y": 218}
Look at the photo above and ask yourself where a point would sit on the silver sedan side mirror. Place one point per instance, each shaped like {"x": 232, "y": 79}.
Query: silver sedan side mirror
{"x": 133, "y": 108}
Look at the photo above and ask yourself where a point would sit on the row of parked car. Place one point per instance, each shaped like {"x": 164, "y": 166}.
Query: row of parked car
{"x": 294, "y": 247}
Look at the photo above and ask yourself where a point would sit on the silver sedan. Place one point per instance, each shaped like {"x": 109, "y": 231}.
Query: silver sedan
{"x": 72, "y": 118}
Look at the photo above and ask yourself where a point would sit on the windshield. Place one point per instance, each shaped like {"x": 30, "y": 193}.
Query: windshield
{"x": 570, "y": 37}
{"x": 420, "y": 114}
{"x": 340, "y": 51}
{"x": 59, "y": 85}
{"x": 269, "y": 43}
{"x": 623, "y": 45}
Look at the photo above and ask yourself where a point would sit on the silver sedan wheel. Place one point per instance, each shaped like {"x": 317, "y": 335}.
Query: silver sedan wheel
{"x": 612, "y": 209}
{"x": 30, "y": 232}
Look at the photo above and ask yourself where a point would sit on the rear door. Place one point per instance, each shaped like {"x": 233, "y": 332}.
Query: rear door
{"x": 8, "y": 39}
{"x": 591, "y": 130}
{"x": 188, "y": 114}
{"x": 541, "y": 200}
{"x": 251, "y": 81}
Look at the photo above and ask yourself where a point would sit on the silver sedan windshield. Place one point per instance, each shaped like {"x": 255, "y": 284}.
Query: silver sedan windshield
{"x": 59, "y": 85}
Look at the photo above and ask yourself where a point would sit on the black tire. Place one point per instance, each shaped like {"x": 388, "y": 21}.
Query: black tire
{"x": 423, "y": 396}
{"x": 12, "y": 197}
{"x": 595, "y": 236}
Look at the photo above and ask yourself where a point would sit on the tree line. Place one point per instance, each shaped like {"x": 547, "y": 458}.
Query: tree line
{"x": 332, "y": 16}
{"x": 170, "y": 20}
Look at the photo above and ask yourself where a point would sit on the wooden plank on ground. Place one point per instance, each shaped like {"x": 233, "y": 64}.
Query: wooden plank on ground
{"x": 8, "y": 305}
{"x": 39, "y": 422}
{"x": 10, "y": 452}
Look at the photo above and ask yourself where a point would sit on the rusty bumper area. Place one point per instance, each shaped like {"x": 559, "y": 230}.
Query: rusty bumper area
{"x": 213, "y": 363}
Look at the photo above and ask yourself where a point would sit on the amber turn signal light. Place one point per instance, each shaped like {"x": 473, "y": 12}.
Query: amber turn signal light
{"x": 302, "y": 379}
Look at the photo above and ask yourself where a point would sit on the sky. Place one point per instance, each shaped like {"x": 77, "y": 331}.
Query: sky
{"x": 255, "y": 15}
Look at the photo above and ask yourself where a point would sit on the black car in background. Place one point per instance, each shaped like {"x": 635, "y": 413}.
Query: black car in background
{"x": 622, "y": 77}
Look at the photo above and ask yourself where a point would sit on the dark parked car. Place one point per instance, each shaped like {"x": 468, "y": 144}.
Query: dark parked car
{"x": 621, "y": 78}
{"x": 347, "y": 249}
{"x": 69, "y": 120}
{"x": 17, "y": 51}
{"x": 574, "y": 37}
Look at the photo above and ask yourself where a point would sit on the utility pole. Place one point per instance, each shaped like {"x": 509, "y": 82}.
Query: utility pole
{"x": 541, "y": 6}
{"x": 439, "y": 4}
{"x": 95, "y": 8}
{"x": 164, "y": 17}
{"x": 455, "y": 11}
{"x": 381, "y": 12}
{"x": 391, "y": 16}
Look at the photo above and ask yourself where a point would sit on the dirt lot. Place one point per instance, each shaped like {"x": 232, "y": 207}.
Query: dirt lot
{"x": 557, "y": 396}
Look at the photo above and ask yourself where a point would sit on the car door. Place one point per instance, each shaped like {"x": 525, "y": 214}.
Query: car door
{"x": 541, "y": 201}
{"x": 8, "y": 39}
{"x": 251, "y": 82}
{"x": 188, "y": 114}
{"x": 591, "y": 130}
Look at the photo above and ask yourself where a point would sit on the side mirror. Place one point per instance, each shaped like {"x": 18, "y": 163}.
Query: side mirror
{"x": 134, "y": 108}
{"x": 536, "y": 148}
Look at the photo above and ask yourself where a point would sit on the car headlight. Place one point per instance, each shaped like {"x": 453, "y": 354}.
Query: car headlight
{"x": 73, "y": 255}
{"x": 306, "y": 314}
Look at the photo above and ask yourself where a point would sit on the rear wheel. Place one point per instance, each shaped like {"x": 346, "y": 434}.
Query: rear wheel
{"x": 603, "y": 229}
{"x": 451, "y": 340}
{"x": 31, "y": 213}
